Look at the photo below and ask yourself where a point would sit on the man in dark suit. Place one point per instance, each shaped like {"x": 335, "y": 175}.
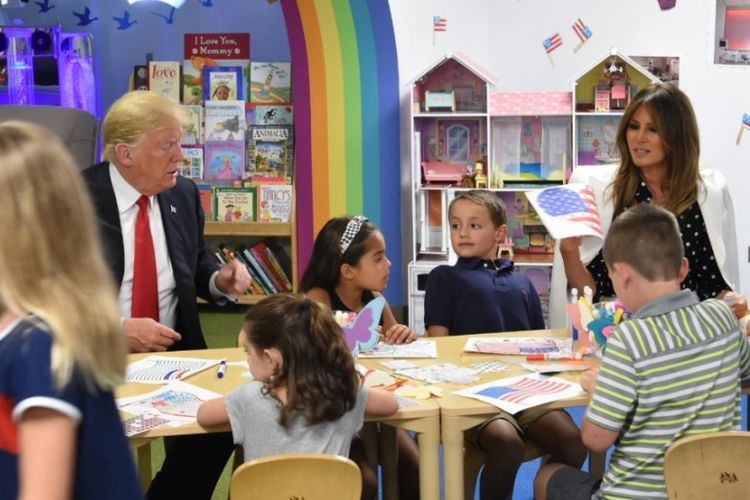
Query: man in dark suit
{"x": 141, "y": 136}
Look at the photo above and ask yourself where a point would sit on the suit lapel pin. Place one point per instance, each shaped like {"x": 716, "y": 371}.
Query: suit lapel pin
{"x": 172, "y": 209}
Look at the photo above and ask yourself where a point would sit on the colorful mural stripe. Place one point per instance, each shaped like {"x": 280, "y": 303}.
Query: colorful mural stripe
{"x": 345, "y": 84}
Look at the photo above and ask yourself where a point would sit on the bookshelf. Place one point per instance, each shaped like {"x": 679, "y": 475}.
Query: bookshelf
{"x": 248, "y": 233}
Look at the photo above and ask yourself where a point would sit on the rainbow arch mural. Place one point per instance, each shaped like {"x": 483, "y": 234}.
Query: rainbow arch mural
{"x": 346, "y": 107}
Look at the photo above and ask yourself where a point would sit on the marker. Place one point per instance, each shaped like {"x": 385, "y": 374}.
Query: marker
{"x": 573, "y": 356}
{"x": 222, "y": 369}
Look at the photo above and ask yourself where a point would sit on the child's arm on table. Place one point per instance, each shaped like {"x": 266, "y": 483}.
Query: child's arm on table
{"x": 380, "y": 403}
{"x": 213, "y": 412}
{"x": 395, "y": 333}
{"x": 47, "y": 450}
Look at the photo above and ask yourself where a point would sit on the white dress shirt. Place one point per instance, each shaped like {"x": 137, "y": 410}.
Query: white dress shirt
{"x": 127, "y": 196}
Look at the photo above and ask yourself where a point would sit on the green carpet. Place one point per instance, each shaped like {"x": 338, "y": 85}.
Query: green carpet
{"x": 220, "y": 330}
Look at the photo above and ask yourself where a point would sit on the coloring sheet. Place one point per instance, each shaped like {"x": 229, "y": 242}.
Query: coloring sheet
{"x": 417, "y": 349}
{"x": 516, "y": 394}
{"x": 442, "y": 372}
{"x": 569, "y": 210}
{"x": 520, "y": 346}
{"x": 176, "y": 402}
{"x": 162, "y": 369}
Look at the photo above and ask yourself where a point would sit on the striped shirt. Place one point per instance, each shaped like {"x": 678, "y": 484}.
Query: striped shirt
{"x": 673, "y": 370}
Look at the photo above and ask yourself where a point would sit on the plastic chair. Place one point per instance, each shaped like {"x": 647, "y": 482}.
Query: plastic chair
{"x": 77, "y": 129}
{"x": 312, "y": 476}
{"x": 715, "y": 465}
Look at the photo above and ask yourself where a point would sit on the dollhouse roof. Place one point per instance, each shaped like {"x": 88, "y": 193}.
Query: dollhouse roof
{"x": 462, "y": 59}
{"x": 531, "y": 103}
{"x": 629, "y": 61}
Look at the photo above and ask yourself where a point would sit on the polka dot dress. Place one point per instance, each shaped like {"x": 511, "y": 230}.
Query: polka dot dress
{"x": 704, "y": 277}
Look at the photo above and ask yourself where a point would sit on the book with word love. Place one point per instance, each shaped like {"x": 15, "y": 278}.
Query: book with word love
{"x": 164, "y": 78}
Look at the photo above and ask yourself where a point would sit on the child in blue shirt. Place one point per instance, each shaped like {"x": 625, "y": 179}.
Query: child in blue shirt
{"x": 482, "y": 294}
{"x": 62, "y": 351}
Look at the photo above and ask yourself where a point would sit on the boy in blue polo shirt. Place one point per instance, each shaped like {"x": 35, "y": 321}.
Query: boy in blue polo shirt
{"x": 480, "y": 294}
{"x": 672, "y": 370}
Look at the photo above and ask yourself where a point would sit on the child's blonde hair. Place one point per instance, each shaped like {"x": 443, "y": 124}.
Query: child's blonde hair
{"x": 134, "y": 114}
{"x": 50, "y": 263}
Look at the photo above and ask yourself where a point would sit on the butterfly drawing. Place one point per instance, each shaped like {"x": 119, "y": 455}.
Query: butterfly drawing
{"x": 363, "y": 333}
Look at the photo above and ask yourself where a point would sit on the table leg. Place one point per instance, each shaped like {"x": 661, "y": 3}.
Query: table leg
{"x": 144, "y": 465}
{"x": 452, "y": 435}
{"x": 428, "y": 440}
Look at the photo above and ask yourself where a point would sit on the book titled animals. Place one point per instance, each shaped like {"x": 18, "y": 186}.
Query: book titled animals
{"x": 269, "y": 151}
{"x": 234, "y": 204}
{"x": 270, "y": 82}
{"x": 225, "y": 121}
{"x": 224, "y": 161}
{"x": 275, "y": 202}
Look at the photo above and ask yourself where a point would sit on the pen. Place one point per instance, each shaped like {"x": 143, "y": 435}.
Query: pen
{"x": 573, "y": 356}
{"x": 222, "y": 369}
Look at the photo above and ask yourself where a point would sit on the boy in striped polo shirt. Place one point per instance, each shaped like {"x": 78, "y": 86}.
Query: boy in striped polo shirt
{"x": 672, "y": 370}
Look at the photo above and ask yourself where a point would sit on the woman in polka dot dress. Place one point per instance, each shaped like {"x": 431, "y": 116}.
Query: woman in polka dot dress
{"x": 659, "y": 149}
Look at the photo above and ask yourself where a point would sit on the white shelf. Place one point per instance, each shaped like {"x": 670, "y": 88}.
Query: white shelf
{"x": 449, "y": 114}
{"x": 599, "y": 113}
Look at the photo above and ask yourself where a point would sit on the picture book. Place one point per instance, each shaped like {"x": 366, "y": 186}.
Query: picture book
{"x": 234, "y": 204}
{"x": 275, "y": 202}
{"x": 206, "y": 193}
{"x": 262, "y": 114}
{"x": 270, "y": 151}
{"x": 213, "y": 49}
{"x": 225, "y": 121}
{"x": 164, "y": 78}
{"x": 516, "y": 394}
{"x": 270, "y": 82}
{"x": 280, "y": 263}
{"x": 224, "y": 161}
{"x": 568, "y": 210}
{"x": 192, "y": 165}
{"x": 222, "y": 83}
{"x": 192, "y": 133}
{"x": 140, "y": 77}
{"x": 261, "y": 259}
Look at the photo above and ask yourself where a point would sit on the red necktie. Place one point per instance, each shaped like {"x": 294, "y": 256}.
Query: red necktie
{"x": 145, "y": 292}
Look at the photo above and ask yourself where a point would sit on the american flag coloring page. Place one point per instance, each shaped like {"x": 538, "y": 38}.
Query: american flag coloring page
{"x": 567, "y": 211}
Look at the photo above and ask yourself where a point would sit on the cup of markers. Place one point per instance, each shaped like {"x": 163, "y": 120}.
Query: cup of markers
{"x": 595, "y": 322}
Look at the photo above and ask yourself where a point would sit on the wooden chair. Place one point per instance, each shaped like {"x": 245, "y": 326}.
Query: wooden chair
{"x": 715, "y": 465}
{"x": 308, "y": 476}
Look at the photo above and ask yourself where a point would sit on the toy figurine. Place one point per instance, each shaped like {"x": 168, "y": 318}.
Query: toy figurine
{"x": 468, "y": 180}
{"x": 480, "y": 180}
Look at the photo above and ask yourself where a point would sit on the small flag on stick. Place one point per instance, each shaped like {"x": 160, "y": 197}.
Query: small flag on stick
{"x": 438, "y": 24}
{"x": 745, "y": 125}
{"x": 583, "y": 32}
{"x": 550, "y": 44}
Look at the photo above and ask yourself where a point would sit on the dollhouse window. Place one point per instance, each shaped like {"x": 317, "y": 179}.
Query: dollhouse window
{"x": 458, "y": 140}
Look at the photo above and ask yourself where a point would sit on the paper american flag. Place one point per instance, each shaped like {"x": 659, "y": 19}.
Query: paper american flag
{"x": 439, "y": 23}
{"x": 583, "y": 31}
{"x": 519, "y": 393}
{"x": 568, "y": 210}
{"x": 552, "y": 42}
{"x": 523, "y": 389}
